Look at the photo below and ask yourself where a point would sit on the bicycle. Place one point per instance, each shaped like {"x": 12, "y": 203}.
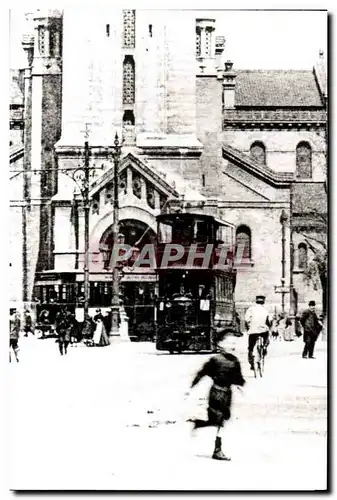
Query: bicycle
{"x": 258, "y": 357}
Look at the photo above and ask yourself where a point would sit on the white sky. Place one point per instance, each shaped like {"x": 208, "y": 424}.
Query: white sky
{"x": 254, "y": 39}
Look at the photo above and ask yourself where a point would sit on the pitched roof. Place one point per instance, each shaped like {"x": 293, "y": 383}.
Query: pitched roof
{"x": 277, "y": 88}
{"x": 261, "y": 171}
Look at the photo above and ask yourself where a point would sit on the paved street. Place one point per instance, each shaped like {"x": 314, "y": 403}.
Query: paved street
{"x": 115, "y": 418}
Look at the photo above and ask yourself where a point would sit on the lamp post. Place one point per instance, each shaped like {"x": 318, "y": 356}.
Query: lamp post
{"x": 81, "y": 176}
{"x": 291, "y": 276}
{"x": 86, "y": 207}
{"x": 283, "y": 221}
{"x": 116, "y": 155}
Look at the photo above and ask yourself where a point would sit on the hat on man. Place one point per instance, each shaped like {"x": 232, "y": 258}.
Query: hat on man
{"x": 312, "y": 303}
{"x": 260, "y": 298}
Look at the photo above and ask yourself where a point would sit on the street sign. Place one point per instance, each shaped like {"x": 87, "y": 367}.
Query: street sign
{"x": 281, "y": 289}
{"x": 139, "y": 277}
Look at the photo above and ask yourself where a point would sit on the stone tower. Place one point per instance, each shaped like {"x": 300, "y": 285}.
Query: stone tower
{"x": 43, "y": 87}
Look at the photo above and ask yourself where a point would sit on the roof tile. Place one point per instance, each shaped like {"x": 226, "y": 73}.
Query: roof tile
{"x": 277, "y": 88}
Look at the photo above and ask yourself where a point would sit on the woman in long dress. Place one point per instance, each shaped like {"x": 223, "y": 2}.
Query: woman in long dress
{"x": 100, "y": 337}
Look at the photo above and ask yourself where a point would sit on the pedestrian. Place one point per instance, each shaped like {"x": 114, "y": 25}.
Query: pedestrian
{"x": 274, "y": 329}
{"x": 63, "y": 331}
{"x": 258, "y": 323}
{"x": 14, "y": 334}
{"x": 298, "y": 327}
{"x": 44, "y": 321}
{"x": 108, "y": 321}
{"x": 225, "y": 370}
{"x": 311, "y": 329}
{"x": 71, "y": 325}
{"x": 287, "y": 330}
{"x": 28, "y": 326}
{"x": 88, "y": 327}
{"x": 100, "y": 337}
{"x": 98, "y": 315}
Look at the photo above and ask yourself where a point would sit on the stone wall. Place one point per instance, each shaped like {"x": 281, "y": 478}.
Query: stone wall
{"x": 209, "y": 110}
{"x": 281, "y": 147}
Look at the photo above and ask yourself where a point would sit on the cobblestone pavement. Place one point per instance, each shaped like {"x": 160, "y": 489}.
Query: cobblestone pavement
{"x": 115, "y": 418}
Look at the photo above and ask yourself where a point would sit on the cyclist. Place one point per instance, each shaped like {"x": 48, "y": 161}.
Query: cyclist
{"x": 257, "y": 322}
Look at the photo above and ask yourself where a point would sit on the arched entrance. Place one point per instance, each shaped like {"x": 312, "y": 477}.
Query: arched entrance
{"x": 138, "y": 286}
{"x": 136, "y": 233}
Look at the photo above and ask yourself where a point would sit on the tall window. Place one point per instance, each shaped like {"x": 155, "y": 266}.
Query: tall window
{"x": 208, "y": 43}
{"x": 303, "y": 161}
{"x": 302, "y": 256}
{"x": 198, "y": 42}
{"x": 243, "y": 247}
{"x": 258, "y": 152}
{"x": 41, "y": 39}
{"x": 128, "y": 80}
{"x": 129, "y": 28}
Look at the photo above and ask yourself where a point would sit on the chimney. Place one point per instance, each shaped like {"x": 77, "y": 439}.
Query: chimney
{"x": 320, "y": 73}
{"x": 219, "y": 48}
{"x": 228, "y": 85}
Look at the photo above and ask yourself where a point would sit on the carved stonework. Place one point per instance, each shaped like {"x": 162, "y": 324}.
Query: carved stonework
{"x": 273, "y": 118}
{"x": 109, "y": 193}
{"x": 136, "y": 185}
{"x": 122, "y": 184}
{"x": 95, "y": 205}
{"x": 150, "y": 196}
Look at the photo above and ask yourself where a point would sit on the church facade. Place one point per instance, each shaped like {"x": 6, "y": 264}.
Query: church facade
{"x": 243, "y": 146}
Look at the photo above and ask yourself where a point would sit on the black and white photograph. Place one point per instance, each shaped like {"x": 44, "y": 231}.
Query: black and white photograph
{"x": 168, "y": 295}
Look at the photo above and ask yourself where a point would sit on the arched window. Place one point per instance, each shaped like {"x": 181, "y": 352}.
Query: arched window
{"x": 302, "y": 256}
{"x": 303, "y": 161}
{"x": 258, "y": 152}
{"x": 243, "y": 247}
{"x": 128, "y": 80}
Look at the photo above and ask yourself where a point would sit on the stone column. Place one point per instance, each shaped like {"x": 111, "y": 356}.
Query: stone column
{"x": 156, "y": 200}
{"x": 129, "y": 181}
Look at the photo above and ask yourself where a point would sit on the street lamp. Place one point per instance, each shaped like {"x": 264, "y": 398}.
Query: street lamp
{"x": 283, "y": 221}
{"x": 81, "y": 176}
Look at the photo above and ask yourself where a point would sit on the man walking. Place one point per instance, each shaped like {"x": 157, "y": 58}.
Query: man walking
{"x": 14, "y": 332}
{"x": 28, "y": 323}
{"x": 258, "y": 323}
{"x": 312, "y": 328}
{"x": 63, "y": 331}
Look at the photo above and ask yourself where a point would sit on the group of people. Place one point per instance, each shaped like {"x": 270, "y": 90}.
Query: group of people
{"x": 259, "y": 323}
{"x": 94, "y": 331}
{"x": 225, "y": 370}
